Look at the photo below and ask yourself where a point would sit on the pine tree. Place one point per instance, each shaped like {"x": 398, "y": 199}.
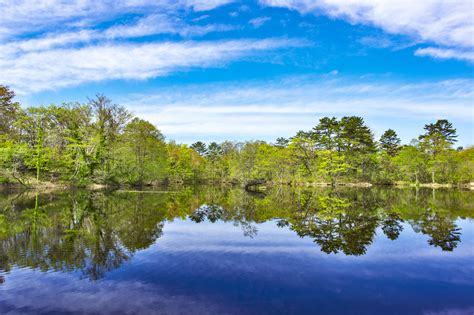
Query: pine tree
{"x": 390, "y": 143}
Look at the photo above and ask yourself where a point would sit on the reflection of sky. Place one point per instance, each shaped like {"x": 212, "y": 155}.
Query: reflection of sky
{"x": 213, "y": 268}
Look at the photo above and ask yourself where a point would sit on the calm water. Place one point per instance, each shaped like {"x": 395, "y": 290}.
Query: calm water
{"x": 212, "y": 250}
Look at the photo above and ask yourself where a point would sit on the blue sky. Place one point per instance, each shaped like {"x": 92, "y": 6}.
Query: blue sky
{"x": 242, "y": 70}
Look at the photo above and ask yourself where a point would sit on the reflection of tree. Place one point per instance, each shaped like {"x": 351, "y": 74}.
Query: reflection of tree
{"x": 249, "y": 229}
{"x": 391, "y": 226}
{"x": 90, "y": 232}
{"x": 94, "y": 232}
{"x": 443, "y": 231}
{"x": 336, "y": 225}
{"x": 212, "y": 213}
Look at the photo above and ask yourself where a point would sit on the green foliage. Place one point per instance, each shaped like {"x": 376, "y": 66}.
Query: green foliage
{"x": 101, "y": 142}
{"x": 390, "y": 143}
{"x": 200, "y": 147}
{"x": 141, "y": 153}
{"x": 184, "y": 164}
{"x": 9, "y": 111}
{"x": 331, "y": 165}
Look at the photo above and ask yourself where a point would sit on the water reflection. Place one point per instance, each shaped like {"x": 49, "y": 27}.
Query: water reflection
{"x": 94, "y": 232}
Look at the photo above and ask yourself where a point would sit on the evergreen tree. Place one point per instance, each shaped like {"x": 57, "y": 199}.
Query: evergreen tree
{"x": 282, "y": 142}
{"x": 441, "y": 131}
{"x": 200, "y": 147}
{"x": 390, "y": 143}
{"x": 436, "y": 141}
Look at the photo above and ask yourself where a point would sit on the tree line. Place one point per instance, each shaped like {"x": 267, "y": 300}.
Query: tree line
{"x": 101, "y": 142}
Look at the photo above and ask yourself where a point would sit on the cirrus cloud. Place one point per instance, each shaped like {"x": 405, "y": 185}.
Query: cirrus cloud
{"x": 61, "y": 67}
{"x": 448, "y": 24}
{"x": 282, "y": 107}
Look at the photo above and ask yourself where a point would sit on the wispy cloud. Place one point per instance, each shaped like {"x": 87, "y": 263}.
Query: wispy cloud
{"x": 26, "y": 16}
{"x": 263, "y": 109}
{"x": 163, "y": 24}
{"x": 448, "y": 24}
{"x": 446, "y": 53}
{"x": 56, "y": 43}
{"x": 61, "y": 67}
{"x": 258, "y": 22}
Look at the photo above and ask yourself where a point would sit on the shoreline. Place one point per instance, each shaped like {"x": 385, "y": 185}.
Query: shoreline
{"x": 262, "y": 186}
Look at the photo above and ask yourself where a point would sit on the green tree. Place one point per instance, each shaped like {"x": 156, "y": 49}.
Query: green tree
{"x": 282, "y": 142}
{"x": 327, "y": 134}
{"x": 390, "y": 142}
{"x": 355, "y": 136}
{"x": 303, "y": 147}
{"x": 331, "y": 165}
{"x": 9, "y": 111}
{"x": 436, "y": 141}
{"x": 144, "y": 150}
{"x": 200, "y": 147}
{"x": 74, "y": 127}
{"x": 109, "y": 119}
{"x": 439, "y": 134}
{"x": 411, "y": 162}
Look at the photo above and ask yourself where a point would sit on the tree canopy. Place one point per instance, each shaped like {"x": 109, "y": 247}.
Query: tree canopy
{"x": 101, "y": 142}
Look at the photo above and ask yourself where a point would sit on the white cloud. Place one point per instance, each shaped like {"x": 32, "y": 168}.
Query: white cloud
{"x": 263, "y": 110}
{"x": 205, "y": 5}
{"x": 444, "y": 23}
{"x": 47, "y": 41}
{"x": 258, "y": 22}
{"x": 60, "y": 67}
{"x": 446, "y": 53}
{"x": 149, "y": 25}
{"x": 163, "y": 24}
{"x": 23, "y": 16}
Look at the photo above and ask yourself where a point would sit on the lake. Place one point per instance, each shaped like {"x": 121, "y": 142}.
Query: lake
{"x": 217, "y": 250}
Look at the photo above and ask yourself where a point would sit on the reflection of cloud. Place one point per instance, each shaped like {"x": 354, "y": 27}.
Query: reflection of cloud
{"x": 63, "y": 293}
{"x": 451, "y": 311}
{"x": 211, "y": 268}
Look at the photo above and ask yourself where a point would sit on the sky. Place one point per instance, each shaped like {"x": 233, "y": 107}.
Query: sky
{"x": 244, "y": 70}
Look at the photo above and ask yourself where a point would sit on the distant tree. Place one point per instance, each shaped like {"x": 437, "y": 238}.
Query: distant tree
{"x": 390, "y": 142}
{"x": 412, "y": 162}
{"x": 331, "y": 165}
{"x": 303, "y": 147}
{"x": 440, "y": 132}
{"x": 110, "y": 119}
{"x": 327, "y": 133}
{"x": 8, "y": 110}
{"x": 74, "y": 128}
{"x": 180, "y": 162}
{"x": 282, "y": 142}
{"x": 356, "y": 136}
{"x": 148, "y": 149}
{"x": 200, "y": 147}
{"x": 436, "y": 141}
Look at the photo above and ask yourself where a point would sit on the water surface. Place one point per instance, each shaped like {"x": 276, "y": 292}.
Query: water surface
{"x": 224, "y": 251}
